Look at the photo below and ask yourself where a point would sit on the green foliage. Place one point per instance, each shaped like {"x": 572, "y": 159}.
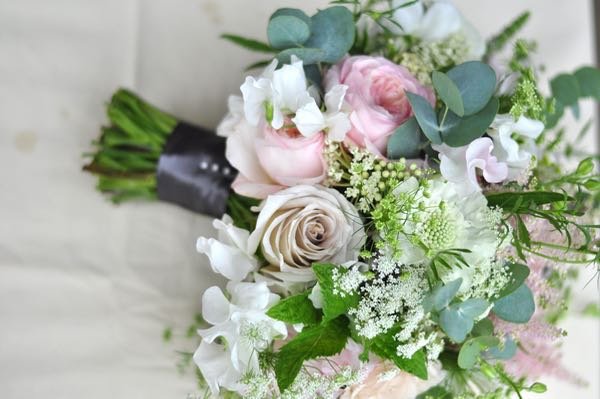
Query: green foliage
{"x": 426, "y": 117}
{"x": 326, "y": 339}
{"x": 334, "y": 302}
{"x": 437, "y": 392}
{"x": 517, "y": 201}
{"x": 296, "y": 309}
{"x": 448, "y": 92}
{"x": 498, "y": 42}
{"x": 406, "y": 141}
{"x": 250, "y": 44}
{"x": 457, "y": 132}
{"x": 482, "y": 328}
{"x": 333, "y": 31}
{"x": 471, "y": 350}
{"x": 517, "y": 307}
{"x": 518, "y": 274}
{"x": 441, "y": 296}
{"x": 476, "y": 83}
{"x": 385, "y": 345}
{"x": 288, "y": 29}
{"x": 309, "y": 56}
{"x": 504, "y": 351}
{"x": 457, "y": 320}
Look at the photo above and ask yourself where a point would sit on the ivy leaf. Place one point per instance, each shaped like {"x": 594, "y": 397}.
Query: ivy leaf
{"x": 326, "y": 339}
{"x": 441, "y": 296}
{"x": 333, "y": 304}
{"x": 470, "y": 351}
{"x": 295, "y": 309}
{"x": 385, "y": 345}
{"x": 517, "y": 307}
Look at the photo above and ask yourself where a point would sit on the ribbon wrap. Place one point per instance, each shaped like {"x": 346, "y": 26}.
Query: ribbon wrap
{"x": 193, "y": 171}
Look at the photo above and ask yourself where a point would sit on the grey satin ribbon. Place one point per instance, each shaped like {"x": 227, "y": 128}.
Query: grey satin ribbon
{"x": 193, "y": 171}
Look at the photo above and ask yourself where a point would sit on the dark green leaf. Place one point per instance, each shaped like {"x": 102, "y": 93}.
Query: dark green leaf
{"x": 333, "y": 31}
{"x": 588, "y": 79}
{"x": 425, "y": 116}
{"x": 326, "y": 339}
{"x": 517, "y": 307}
{"x": 250, "y": 44}
{"x": 334, "y": 305}
{"x": 470, "y": 351}
{"x": 483, "y": 327}
{"x": 295, "y": 309}
{"x": 508, "y": 200}
{"x": 437, "y": 392}
{"x": 405, "y": 141}
{"x": 285, "y": 31}
{"x": 458, "y": 132}
{"x": 518, "y": 273}
{"x": 385, "y": 346}
{"x": 442, "y": 295}
{"x": 448, "y": 92}
{"x": 476, "y": 83}
{"x": 565, "y": 88}
{"x": 307, "y": 55}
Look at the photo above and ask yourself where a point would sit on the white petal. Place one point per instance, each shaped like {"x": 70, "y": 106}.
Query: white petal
{"x": 290, "y": 84}
{"x": 215, "y": 307}
{"x": 270, "y": 69}
{"x": 214, "y": 363}
{"x": 334, "y": 99}
{"x": 409, "y": 17}
{"x": 227, "y": 260}
{"x": 249, "y": 296}
{"x": 529, "y": 127}
{"x": 309, "y": 120}
{"x": 316, "y": 297}
{"x": 255, "y": 94}
{"x": 232, "y": 235}
{"x": 338, "y": 125}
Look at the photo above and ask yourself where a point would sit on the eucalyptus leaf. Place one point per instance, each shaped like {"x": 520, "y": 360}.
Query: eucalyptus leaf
{"x": 565, "y": 88}
{"x": 293, "y": 12}
{"x": 476, "y": 82}
{"x": 457, "y": 320}
{"x": 448, "y": 92}
{"x": 503, "y": 351}
{"x": 589, "y": 82}
{"x": 333, "y": 31}
{"x": 518, "y": 274}
{"x": 426, "y": 117}
{"x": 285, "y": 31}
{"x": 307, "y": 55}
{"x": 470, "y": 351}
{"x": 458, "y": 132}
{"x": 405, "y": 141}
{"x": 517, "y": 307}
{"x": 483, "y": 327}
{"x": 442, "y": 295}
{"x": 473, "y": 307}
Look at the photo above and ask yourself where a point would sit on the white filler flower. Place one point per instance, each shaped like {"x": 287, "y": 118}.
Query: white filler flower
{"x": 240, "y": 330}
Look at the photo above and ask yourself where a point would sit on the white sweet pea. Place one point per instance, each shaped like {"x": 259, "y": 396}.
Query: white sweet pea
{"x": 437, "y": 22}
{"x": 276, "y": 94}
{"x": 230, "y": 255}
{"x": 310, "y": 120}
{"x": 459, "y": 165}
{"x": 243, "y": 325}
{"x": 507, "y": 149}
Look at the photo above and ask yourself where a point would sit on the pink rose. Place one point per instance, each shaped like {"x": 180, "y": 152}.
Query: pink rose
{"x": 377, "y": 96}
{"x": 269, "y": 160}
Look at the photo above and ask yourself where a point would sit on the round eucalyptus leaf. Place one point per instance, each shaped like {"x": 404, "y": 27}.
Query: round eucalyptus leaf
{"x": 448, "y": 92}
{"x": 293, "y": 12}
{"x": 405, "y": 141}
{"x": 455, "y": 324}
{"x": 470, "y": 351}
{"x": 425, "y": 116}
{"x": 307, "y": 55}
{"x": 442, "y": 295}
{"x": 333, "y": 31}
{"x": 505, "y": 351}
{"x": 285, "y": 31}
{"x": 483, "y": 327}
{"x": 589, "y": 81}
{"x": 565, "y": 88}
{"x": 518, "y": 274}
{"x": 473, "y": 307}
{"x": 517, "y": 307}
{"x": 462, "y": 131}
{"x": 476, "y": 82}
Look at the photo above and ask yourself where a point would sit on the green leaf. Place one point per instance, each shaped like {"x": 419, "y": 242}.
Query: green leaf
{"x": 250, "y": 44}
{"x": 307, "y": 55}
{"x": 509, "y": 200}
{"x": 588, "y": 79}
{"x": 517, "y": 307}
{"x": 437, "y": 392}
{"x": 326, "y": 339}
{"x": 295, "y": 309}
{"x": 425, "y": 116}
{"x": 503, "y": 351}
{"x": 500, "y": 40}
{"x": 476, "y": 83}
{"x": 385, "y": 345}
{"x": 518, "y": 274}
{"x": 457, "y": 132}
{"x": 470, "y": 351}
{"x": 442, "y": 295}
{"x": 448, "y": 92}
{"x": 483, "y": 327}
{"x": 565, "y": 88}
{"x": 292, "y": 12}
{"x": 405, "y": 141}
{"x": 333, "y": 305}
{"x": 333, "y": 31}
{"x": 457, "y": 320}
{"x": 285, "y": 31}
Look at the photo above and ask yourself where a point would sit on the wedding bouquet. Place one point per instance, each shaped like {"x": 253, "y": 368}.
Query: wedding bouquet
{"x": 405, "y": 214}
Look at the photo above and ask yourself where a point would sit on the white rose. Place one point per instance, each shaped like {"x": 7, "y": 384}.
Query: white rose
{"x": 303, "y": 225}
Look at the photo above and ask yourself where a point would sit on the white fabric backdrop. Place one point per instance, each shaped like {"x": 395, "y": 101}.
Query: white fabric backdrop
{"x": 86, "y": 288}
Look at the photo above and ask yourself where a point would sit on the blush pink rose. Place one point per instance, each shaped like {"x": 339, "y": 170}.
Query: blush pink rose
{"x": 270, "y": 160}
{"x": 377, "y": 96}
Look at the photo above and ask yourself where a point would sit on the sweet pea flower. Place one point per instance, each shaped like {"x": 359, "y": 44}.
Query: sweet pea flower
{"x": 437, "y": 22}
{"x": 507, "y": 149}
{"x": 310, "y": 120}
{"x": 376, "y": 96}
{"x": 459, "y": 165}
{"x": 230, "y": 255}
{"x": 243, "y": 324}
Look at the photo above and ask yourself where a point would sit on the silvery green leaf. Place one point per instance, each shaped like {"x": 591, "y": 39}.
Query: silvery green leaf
{"x": 333, "y": 31}
{"x": 425, "y": 116}
{"x": 405, "y": 141}
{"x": 476, "y": 83}
{"x": 517, "y": 307}
{"x": 442, "y": 295}
{"x": 470, "y": 351}
{"x": 448, "y": 92}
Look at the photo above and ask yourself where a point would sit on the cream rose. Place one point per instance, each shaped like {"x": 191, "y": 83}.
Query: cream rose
{"x": 303, "y": 225}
